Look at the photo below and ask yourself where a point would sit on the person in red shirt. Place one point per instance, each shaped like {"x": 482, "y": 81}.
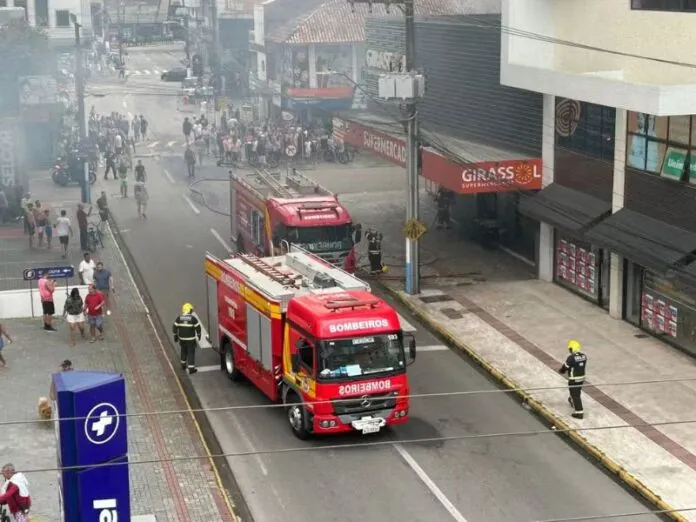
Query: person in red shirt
{"x": 15, "y": 493}
{"x": 94, "y": 310}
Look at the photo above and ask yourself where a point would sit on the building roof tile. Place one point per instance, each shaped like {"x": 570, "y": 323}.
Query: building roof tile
{"x": 335, "y": 21}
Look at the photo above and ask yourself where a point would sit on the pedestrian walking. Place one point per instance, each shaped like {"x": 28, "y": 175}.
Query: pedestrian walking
{"x": 30, "y": 220}
{"x": 64, "y": 231}
{"x": 575, "y": 368}
{"x": 141, "y": 198}
{"x": 4, "y": 207}
{"x": 374, "y": 251}
{"x": 82, "y": 225}
{"x": 190, "y": 159}
{"x": 94, "y": 309}
{"x": 187, "y": 330}
{"x": 86, "y": 269}
{"x": 15, "y": 493}
{"x": 143, "y": 127}
{"x": 3, "y": 335}
{"x": 47, "y": 287}
{"x": 74, "y": 313}
{"x": 48, "y": 230}
{"x": 110, "y": 159}
{"x": 104, "y": 282}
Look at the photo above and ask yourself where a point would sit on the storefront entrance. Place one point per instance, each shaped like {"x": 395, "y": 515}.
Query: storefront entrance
{"x": 582, "y": 268}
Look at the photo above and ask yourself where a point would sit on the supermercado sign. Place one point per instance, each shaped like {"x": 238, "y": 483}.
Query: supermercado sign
{"x": 365, "y": 387}
{"x": 492, "y": 176}
{"x": 389, "y": 147}
{"x": 357, "y": 326}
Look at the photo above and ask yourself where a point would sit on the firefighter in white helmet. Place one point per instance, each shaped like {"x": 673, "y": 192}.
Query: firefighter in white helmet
{"x": 575, "y": 367}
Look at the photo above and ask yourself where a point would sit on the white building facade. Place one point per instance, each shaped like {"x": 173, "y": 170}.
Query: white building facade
{"x": 619, "y": 90}
{"x": 54, "y": 16}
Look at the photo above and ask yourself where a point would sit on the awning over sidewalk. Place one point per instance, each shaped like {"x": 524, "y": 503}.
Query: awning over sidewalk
{"x": 651, "y": 243}
{"x": 564, "y": 208}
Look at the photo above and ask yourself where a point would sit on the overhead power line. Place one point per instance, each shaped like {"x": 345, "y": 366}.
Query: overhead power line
{"x": 370, "y": 444}
{"x": 467, "y": 393}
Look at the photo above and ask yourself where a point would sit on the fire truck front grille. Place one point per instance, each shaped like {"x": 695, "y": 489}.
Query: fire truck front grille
{"x": 366, "y": 403}
{"x": 335, "y": 258}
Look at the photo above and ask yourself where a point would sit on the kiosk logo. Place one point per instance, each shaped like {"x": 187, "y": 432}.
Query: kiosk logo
{"x": 101, "y": 424}
{"x": 107, "y": 509}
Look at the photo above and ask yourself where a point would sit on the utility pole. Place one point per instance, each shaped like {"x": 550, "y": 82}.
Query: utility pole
{"x": 81, "y": 114}
{"x": 407, "y": 85}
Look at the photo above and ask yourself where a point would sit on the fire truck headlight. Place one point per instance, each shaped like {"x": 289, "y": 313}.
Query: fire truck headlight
{"x": 324, "y": 424}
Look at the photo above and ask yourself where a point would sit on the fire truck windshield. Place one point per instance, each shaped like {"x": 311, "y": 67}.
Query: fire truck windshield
{"x": 322, "y": 239}
{"x": 360, "y": 356}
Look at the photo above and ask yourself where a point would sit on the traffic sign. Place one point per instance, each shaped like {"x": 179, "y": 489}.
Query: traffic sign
{"x": 414, "y": 229}
{"x": 54, "y": 272}
{"x": 290, "y": 151}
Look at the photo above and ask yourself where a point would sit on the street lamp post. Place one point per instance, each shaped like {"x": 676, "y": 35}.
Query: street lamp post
{"x": 81, "y": 113}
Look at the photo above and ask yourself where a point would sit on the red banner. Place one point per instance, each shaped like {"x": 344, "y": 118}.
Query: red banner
{"x": 489, "y": 176}
{"x": 389, "y": 147}
{"x": 329, "y": 93}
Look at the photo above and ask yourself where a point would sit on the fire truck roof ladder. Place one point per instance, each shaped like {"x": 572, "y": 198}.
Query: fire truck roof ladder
{"x": 269, "y": 179}
{"x": 306, "y": 186}
{"x": 267, "y": 269}
{"x": 350, "y": 302}
{"x": 317, "y": 271}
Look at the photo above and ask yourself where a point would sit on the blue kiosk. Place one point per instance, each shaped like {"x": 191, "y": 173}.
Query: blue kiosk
{"x": 92, "y": 439}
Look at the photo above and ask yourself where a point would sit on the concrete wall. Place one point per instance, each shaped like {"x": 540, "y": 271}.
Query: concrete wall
{"x": 18, "y": 303}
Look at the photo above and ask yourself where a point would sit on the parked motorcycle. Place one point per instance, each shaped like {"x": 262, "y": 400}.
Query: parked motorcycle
{"x": 62, "y": 174}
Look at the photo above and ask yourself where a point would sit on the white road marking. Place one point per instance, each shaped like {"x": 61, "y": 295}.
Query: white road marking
{"x": 146, "y": 71}
{"x": 189, "y": 246}
{"x": 429, "y": 483}
{"x": 217, "y": 236}
{"x": 247, "y": 441}
{"x": 171, "y": 143}
{"x": 433, "y": 348}
{"x": 152, "y": 145}
{"x": 125, "y": 104}
{"x": 211, "y": 368}
{"x": 137, "y": 73}
{"x": 169, "y": 177}
{"x": 190, "y": 204}
{"x": 405, "y": 325}
{"x": 123, "y": 230}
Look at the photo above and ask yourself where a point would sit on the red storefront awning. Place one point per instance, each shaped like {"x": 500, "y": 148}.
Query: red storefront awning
{"x": 491, "y": 176}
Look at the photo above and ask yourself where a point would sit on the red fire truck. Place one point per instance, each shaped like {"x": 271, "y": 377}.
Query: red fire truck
{"x": 271, "y": 209}
{"x": 313, "y": 337}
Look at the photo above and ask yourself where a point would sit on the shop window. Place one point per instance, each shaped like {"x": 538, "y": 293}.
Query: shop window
{"x": 664, "y": 5}
{"x": 585, "y": 128}
{"x": 662, "y": 145}
{"x": 668, "y": 310}
{"x": 578, "y": 266}
{"x": 62, "y": 18}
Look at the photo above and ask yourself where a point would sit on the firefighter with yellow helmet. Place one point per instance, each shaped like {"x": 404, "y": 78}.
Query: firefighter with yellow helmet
{"x": 187, "y": 332}
{"x": 575, "y": 367}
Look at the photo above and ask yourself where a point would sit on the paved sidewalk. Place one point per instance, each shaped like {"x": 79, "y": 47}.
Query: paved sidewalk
{"x": 518, "y": 332}
{"x": 180, "y": 491}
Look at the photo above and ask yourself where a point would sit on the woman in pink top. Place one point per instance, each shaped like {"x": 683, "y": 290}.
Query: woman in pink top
{"x": 46, "y": 288}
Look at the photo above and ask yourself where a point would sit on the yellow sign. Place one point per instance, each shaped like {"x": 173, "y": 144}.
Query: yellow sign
{"x": 414, "y": 229}
{"x": 222, "y": 103}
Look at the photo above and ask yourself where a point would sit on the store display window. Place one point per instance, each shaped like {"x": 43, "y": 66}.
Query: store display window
{"x": 578, "y": 266}
{"x": 668, "y": 311}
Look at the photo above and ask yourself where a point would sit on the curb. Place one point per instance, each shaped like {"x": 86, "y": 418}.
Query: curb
{"x": 538, "y": 407}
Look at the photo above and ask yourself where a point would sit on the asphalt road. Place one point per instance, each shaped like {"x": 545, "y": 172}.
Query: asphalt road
{"x": 494, "y": 479}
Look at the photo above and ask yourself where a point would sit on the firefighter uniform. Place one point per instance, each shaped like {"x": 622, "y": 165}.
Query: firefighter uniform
{"x": 187, "y": 331}
{"x": 575, "y": 367}
{"x": 374, "y": 251}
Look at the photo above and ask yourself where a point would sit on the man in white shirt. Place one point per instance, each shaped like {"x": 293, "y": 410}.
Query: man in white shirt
{"x": 64, "y": 231}
{"x": 86, "y": 269}
{"x": 118, "y": 144}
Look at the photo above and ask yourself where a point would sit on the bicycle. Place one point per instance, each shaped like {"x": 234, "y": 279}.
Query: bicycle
{"x": 95, "y": 236}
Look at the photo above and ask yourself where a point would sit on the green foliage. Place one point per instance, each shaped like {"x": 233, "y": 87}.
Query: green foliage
{"x": 24, "y": 50}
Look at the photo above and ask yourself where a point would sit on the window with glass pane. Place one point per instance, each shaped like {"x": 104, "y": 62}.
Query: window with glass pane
{"x": 679, "y": 130}
{"x": 664, "y": 5}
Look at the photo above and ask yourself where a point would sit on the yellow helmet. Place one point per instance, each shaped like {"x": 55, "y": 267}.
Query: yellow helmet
{"x": 574, "y": 346}
{"x": 187, "y": 308}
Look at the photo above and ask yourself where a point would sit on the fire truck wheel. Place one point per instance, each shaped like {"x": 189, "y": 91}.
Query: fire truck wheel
{"x": 297, "y": 416}
{"x": 228, "y": 363}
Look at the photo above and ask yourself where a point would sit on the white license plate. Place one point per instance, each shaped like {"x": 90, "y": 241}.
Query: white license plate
{"x": 370, "y": 428}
